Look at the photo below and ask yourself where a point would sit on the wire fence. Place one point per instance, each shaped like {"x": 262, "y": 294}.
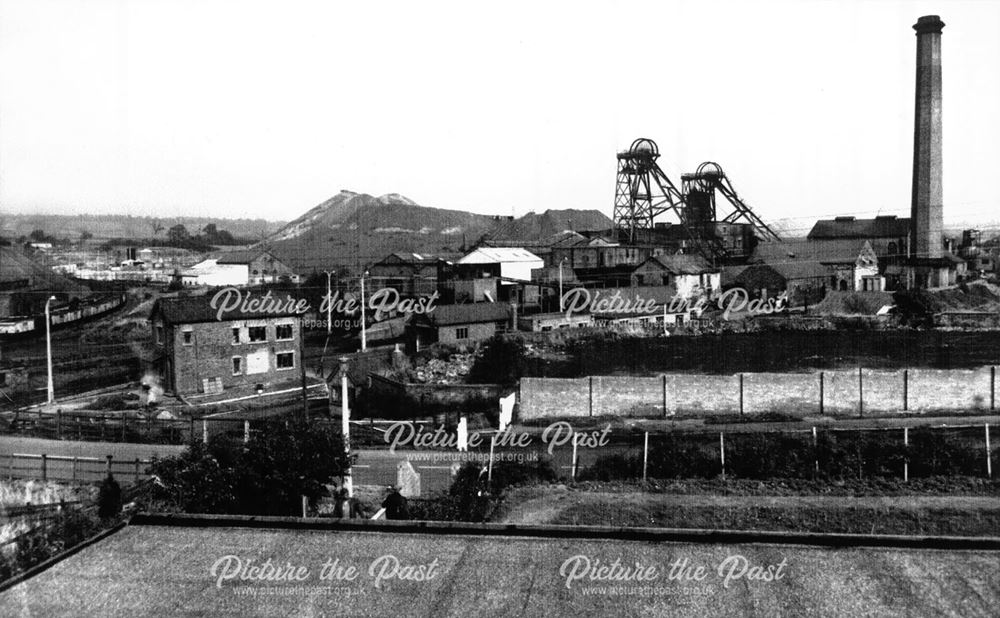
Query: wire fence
{"x": 825, "y": 453}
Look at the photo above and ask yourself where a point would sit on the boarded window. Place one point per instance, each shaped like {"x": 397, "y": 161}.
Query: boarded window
{"x": 258, "y": 362}
{"x": 286, "y": 360}
{"x": 283, "y": 332}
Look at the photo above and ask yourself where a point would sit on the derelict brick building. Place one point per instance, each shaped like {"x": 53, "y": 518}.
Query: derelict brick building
{"x": 199, "y": 353}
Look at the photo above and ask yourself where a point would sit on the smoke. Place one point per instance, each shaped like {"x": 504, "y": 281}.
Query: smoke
{"x": 150, "y": 391}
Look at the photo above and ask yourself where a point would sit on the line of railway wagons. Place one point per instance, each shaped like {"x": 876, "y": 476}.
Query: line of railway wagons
{"x": 61, "y": 316}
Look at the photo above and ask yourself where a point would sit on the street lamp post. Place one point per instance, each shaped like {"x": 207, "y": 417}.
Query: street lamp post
{"x": 48, "y": 349}
{"x": 561, "y": 309}
{"x": 364, "y": 334}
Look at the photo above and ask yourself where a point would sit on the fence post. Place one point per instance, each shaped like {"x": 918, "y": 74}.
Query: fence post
{"x": 861, "y": 395}
{"x": 102, "y": 427}
{"x": 59, "y": 423}
{"x": 722, "y": 454}
{"x": 10, "y": 471}
{"x": 204, "y": 431}
{"x": 665, "y": 413}
{"x": 989, "y": 464}
{"x": 136, "y": 469}
{"x": 573, "y": 466}
{"x": 815, "y": 451}
{"x": 305, "y": 506}
{"x": 993, "y": 387}
{"x": 645, "y": 456}
{"x": 75, "y": 459}
{"x": 821, "y": 393}
{"x": 45, "y": 472}
{"x": 109, "y": 463}
{"x": 246, "y": 431}
{"x": 191, "y": 429}
{"x": 590, "y": 396}
{"x": 906, "y": 460}
{"x": 906, "y": 389}
{"x": 741, "y": 394}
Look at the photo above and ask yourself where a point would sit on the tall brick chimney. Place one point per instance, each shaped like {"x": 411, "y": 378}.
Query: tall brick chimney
{"x": 926, "y": 218}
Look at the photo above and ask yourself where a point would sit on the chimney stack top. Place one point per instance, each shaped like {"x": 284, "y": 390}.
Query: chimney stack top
{"x": 928, "y": 24}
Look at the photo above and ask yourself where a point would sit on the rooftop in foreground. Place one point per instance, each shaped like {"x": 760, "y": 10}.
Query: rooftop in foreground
{"x": 151, "y": 569}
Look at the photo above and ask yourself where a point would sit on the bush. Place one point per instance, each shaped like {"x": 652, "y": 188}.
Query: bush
{"x": 501, "y": 360}
{"x": 282, "y": 462}
{"x": 612, "y": 468}
{"x": 109, "y": 498}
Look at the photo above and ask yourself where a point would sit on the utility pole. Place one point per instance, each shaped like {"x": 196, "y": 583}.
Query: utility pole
{"x": 48, "y": 349}
{"x": 561, "y": 303}
{"x": 364, "y": 335}
{"x": 345, "y": 426}
{"x": 329, "y": 304}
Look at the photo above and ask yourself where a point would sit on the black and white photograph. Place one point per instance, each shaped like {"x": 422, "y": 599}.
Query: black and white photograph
{"x": 439, "y": 308}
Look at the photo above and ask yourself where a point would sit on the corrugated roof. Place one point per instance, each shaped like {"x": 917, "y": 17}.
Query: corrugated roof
{"x": 195, "y": 309}
{"x": 849, "y": 227}
{"x": 495, "y": 255}
{"x": 842, "y": 251}
{"x": 685, "y": 264}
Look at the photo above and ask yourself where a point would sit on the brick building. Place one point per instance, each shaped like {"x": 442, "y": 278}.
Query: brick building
{"x": 467, "y": 323}
{"x": 197, "y": 352}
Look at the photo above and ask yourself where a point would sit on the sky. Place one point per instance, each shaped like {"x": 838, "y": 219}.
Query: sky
{"x": 265, "y": 109}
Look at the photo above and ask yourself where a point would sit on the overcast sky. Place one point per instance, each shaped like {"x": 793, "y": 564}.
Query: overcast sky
{"x": 264, "y": 109}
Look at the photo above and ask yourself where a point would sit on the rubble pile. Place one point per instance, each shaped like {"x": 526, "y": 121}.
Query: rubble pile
{"x": 439, "y": 371}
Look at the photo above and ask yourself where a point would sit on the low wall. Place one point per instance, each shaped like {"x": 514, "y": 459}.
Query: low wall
{"x": 839, "y": 392}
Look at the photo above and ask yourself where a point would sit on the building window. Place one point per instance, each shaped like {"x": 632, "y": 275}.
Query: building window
{"x": 237, "y": 365}
{"x": 286, "y": 360}
{"x": 187, "y": 337}
{"x": 283, "y": 332}
{"x": 159, "y": 334}
{"x": 236, "y": 336}
{"x": 257, "y": 333}
{"x": 461, "y": 333}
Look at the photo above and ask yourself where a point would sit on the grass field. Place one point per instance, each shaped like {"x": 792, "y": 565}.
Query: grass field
{"x": 616, "y": 505}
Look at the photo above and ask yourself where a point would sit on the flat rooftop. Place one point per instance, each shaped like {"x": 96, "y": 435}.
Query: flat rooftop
{"x": 149, "y": 569}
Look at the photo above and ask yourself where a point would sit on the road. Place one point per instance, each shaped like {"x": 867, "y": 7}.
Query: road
{"x": 123, "y": 455}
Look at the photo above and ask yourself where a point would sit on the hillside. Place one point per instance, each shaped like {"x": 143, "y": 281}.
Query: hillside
{"x": 537, "y": 226}
{"x": 352, "y": 228}
{"x": 15, "y": 266}
{"x": 124, "y": 226}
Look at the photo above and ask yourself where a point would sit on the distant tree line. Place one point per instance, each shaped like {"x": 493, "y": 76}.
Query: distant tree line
{"x": 179, "y": 237}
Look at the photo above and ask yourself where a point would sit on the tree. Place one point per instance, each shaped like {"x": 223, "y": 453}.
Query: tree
{"x": 37, "y": 235}
{"x": 178, "y": 234}
{"x": 85, "y": 235}
{"x": 267, "y": 476}
{"x": 156, "y": 226}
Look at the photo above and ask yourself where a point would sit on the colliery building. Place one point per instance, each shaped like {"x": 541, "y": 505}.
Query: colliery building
{"x": 199, "y": 351}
